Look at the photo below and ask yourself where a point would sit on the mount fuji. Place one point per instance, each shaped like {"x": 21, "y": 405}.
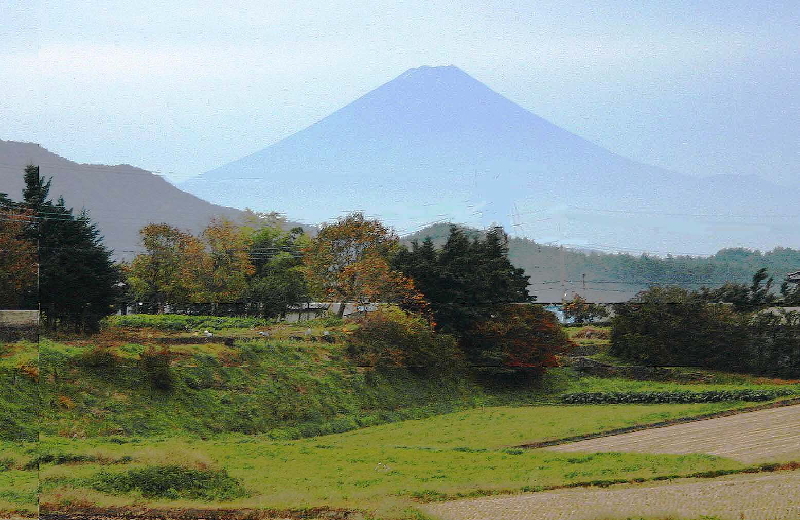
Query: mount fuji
{"x": 435, "y": 144}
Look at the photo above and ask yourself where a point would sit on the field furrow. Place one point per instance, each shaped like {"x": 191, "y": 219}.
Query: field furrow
{"x": 762, "y": 436}
{"x": 754, "y": 497}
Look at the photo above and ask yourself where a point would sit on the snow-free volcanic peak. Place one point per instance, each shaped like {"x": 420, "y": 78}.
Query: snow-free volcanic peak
{"x": 436, "y": 144}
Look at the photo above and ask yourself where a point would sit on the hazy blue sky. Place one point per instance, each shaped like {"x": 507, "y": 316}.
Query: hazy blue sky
{"x": 183, "y": 86}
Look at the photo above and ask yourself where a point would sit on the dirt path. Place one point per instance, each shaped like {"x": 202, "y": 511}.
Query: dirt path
{"x": 775, "y": 496}
{"x": 762, "y": 436}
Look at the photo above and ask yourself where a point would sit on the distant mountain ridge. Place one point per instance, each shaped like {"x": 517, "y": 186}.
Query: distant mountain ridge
{"x": 603, "y": 277}
{"x": 120, "y": 199}
{"x": 435, "y": 144}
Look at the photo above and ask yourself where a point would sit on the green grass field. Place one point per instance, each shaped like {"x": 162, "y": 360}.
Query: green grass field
{"x": 289, "y": 423}
{"x": 18, "y": 485}
{"x": 384, "y": 468}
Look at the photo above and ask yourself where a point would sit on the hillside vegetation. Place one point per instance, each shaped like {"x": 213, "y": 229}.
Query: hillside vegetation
{"x": 291, "y": 385}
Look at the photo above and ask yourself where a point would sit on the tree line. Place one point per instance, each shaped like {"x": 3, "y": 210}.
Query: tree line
{"x": 735, "y": 327}
{"x": 621, "y": 275}
{"x": 463, "y": 302}
{"x": 462, "y": 295}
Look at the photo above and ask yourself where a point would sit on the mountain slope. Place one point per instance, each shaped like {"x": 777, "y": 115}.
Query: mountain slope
{"x": 121, "y": 199}
{"x": 436, "y": 144}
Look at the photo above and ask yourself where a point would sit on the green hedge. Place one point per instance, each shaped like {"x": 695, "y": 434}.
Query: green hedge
{"x": 711, "y": 396}
{"x": 670, "y": 326}
{"x": 180, "y": 322}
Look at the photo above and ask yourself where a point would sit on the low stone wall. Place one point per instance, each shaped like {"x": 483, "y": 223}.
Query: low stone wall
{"x": 19, "y": 318}
{"x": 19, "y": 325}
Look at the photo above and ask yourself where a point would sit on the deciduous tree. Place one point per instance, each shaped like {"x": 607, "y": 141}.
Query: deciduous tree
{"x": 516, "y": 340}
{"x": 18, "y": 257}
{"x": 229, "y": 252}
{"x": 278, "y": 281}
{"x": 173, "y": 268}
{"x": 349, "y": 262}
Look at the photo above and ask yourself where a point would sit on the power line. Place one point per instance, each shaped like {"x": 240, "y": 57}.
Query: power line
{"x": 672, "y": 214}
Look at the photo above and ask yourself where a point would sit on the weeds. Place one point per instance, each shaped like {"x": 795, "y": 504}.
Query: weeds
{"x": 171, "y": 482}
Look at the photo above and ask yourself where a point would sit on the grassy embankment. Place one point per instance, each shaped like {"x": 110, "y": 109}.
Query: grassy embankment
{"x": 108, "y": 427}
{"x": 18, "y": 424}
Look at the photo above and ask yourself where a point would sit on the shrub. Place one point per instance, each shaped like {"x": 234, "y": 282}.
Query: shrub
{"x": 171, "y": 482}
{"x": 393, "y": 338}
{"x": 6, "y": 463}
{"x": 675, "y": 327}
{"x": 57, "y": 458}
{"x": 592, "y": 333}
{"x": 515, "y": 340}
{"x": 99, "y": 359}
{"x": 579, "y": 311}
{"x": 156, "y": 364}
{"x": 180, "y": 322}
{"x": 330, "y": 321}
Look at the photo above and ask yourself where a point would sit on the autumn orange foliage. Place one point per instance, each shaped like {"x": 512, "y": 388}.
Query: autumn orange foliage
{"x": 18, "y": 256}
{"x": 349, "y": 262}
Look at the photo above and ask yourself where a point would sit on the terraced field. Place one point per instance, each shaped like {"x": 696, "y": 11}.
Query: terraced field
{"x": 753, "y": 497}
{"x": 762, "y": 436}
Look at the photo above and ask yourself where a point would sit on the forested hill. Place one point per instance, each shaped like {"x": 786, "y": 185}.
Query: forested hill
{"x": 616, "y": 277}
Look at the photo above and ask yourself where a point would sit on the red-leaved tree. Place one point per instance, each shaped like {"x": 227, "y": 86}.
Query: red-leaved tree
{"x": 515, "y": 340}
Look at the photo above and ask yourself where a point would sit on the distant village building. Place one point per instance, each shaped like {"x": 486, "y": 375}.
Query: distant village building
{"x": 311, "y": 310}
{"x": 793, "y": 277}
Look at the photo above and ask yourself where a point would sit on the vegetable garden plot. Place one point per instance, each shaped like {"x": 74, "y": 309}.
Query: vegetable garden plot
{"x": 761, "y": 436}
{"x": 754, "y": 497}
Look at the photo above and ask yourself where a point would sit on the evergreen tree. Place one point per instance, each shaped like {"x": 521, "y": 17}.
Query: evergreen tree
{"x": 745, "y": 298}
{"x": 466, "y": 278}
{"x": 36, "y": 189}
{"x": 473, "y": 290}
{"x": 78, "y": 280}
{"x": 790, "y": 293}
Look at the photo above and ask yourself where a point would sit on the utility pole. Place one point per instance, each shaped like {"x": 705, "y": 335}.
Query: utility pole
{"x": 563, "y": 276}
{"x": 38, "y": 277}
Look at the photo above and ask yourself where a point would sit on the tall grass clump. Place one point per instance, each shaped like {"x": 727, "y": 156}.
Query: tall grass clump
{"x": 171, "y": 482}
